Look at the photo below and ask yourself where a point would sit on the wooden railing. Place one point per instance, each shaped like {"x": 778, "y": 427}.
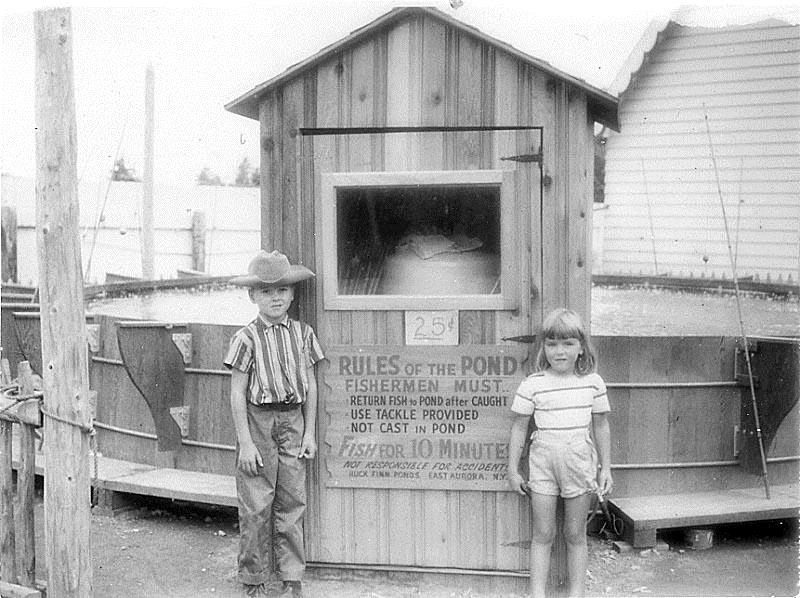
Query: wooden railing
{"x": 20, "y": 404}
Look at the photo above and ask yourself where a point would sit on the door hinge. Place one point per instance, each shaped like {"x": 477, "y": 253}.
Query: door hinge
{"x": 537, "y": 157}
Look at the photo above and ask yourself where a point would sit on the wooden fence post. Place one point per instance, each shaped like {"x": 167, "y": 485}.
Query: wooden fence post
{"x": 9, "y": 244}
{"x": 65, "y": 363}
{"x": 26, "y": 487}
{"x": 199, "y": 241}
{"x": 8, "y": 561}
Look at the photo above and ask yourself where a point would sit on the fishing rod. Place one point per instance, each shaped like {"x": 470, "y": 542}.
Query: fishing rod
{"x": 650, "y": 218}
{"x": 756, "y": 418}
{"x": 101, "y": 211}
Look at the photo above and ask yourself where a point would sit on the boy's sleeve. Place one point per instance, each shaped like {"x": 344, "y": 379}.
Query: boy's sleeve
{"x": 600, "y": 402}
{"x": 314, "y": 353}
{"x": 523, "y": 398}
{"x": 240, "y": 352}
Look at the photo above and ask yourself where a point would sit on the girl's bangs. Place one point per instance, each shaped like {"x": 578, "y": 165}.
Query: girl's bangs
{"x": 563, "y": 327}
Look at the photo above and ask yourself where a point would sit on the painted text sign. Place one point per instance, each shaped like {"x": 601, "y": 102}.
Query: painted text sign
{"x": 420, "y": 417}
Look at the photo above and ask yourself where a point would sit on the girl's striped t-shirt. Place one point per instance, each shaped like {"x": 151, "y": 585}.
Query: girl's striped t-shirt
{"x": 561, "y": 402}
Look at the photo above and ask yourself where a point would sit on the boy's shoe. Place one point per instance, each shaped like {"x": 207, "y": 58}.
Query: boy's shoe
{"x": 292, "y": 589}
{"x": 258, "y": 589}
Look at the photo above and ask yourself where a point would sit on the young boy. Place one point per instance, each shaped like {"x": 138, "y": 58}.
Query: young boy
{"x": 274, "y": 404}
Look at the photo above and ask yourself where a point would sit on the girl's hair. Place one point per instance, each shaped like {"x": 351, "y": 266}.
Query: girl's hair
{"x": 565, "y": 323}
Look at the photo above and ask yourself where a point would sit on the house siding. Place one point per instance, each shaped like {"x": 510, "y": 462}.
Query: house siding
{"x": 662, "y": 186}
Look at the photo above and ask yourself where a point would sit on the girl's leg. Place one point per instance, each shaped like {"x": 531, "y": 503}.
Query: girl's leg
{"x": 575, "y": 511}
{"x": 543, "y": 516}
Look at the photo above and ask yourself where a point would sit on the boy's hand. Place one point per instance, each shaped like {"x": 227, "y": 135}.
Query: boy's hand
{"x": 249, "y": 459}
{"x": 308, "y": 448}
{"x": 517, "y": 483}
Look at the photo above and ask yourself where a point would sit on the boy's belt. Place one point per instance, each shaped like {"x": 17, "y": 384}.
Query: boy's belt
{"x": 280, "y": 406}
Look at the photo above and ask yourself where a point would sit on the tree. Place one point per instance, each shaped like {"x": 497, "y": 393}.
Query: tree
{"x": 206, "y": 177}
{"x": 247, "y": 176}
{"x": 243, "y": 175}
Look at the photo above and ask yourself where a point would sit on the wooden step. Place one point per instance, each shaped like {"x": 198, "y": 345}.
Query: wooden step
{"x": 644, "y": 515}
{"x": 116, "y": 475}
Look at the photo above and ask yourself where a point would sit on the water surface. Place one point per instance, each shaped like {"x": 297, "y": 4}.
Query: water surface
{"x": 615, "y": 311}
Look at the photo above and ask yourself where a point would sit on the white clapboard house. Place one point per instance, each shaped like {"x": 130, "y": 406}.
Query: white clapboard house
{"x": 710, "y": 117}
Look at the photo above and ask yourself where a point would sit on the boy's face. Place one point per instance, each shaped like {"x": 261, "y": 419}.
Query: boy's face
{"x": 273, "y": 302}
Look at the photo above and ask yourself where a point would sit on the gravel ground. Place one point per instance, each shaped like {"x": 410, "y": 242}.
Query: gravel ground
{"x": 170, "y": 550}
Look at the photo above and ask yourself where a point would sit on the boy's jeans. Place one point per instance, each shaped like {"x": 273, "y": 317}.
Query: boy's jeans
{"x": 277, "y": 495}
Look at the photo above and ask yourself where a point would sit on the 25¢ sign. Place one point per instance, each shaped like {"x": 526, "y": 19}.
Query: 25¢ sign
{"x": 432, "y": 327}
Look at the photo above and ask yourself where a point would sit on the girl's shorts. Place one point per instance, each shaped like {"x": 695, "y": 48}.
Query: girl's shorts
{"x": 562, "y": 463}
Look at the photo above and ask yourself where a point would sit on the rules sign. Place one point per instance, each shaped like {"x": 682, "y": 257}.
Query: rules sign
{"x": 420, "y": 417}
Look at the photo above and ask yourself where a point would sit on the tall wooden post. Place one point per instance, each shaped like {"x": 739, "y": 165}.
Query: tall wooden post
{"x": 65, "y": 374}
{"x": 147, "y": 177}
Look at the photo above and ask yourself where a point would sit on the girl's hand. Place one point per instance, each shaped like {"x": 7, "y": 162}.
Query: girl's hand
{"x": 249, "y": 458}
{"x": 308, "y": 448}
{"x": 517, "y": 483}
{"x": 605, "y": 484}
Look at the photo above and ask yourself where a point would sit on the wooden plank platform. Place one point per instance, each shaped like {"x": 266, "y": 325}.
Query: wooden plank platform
{"x": 644, "y": 515}
{"x": 116, "y": 475}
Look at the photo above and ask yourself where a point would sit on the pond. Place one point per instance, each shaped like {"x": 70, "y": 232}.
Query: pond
{"x": 615, "y": 311}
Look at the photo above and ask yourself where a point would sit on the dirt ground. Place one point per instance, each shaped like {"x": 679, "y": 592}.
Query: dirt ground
{"x": 163, "y": 549}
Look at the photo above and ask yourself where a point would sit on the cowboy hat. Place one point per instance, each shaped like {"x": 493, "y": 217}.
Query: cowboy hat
{"x": 271, "y": 269}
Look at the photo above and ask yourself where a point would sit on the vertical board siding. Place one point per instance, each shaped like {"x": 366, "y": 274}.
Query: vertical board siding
{"x": 659, "y": 171}
{"x": 579, "y": 201}
{"x": 270, "y": 173}
{"x": 421, "y": 72}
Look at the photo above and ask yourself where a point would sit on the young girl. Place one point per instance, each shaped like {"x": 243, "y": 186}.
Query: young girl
{"x": 569, "y": 405}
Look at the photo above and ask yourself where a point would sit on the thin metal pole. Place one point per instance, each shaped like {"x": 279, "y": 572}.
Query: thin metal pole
{"x": 650, "y": 218}
{"x": 146, "y": 238}
{"x": 101, "y": 212}
{"x": 739, "y": 311}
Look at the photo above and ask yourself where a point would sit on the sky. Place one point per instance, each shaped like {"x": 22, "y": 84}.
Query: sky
{"x": 206, "y": 55}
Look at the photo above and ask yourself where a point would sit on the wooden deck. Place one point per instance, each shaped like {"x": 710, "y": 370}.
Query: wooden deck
{"x": 644, "y": 515}
{"x": 117, "y": 476}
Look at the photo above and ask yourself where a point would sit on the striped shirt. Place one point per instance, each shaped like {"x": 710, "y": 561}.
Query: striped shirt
{"x": 276, "y": 357}
{"x": 561, "y": 402}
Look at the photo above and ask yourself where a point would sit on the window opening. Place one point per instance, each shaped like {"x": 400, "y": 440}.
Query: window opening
{"x": 415, "y": 240}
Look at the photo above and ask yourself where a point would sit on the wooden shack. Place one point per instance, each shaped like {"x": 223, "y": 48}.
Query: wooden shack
{"x": 439, "y": 182}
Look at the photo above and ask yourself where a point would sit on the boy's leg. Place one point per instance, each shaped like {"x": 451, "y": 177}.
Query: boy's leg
{"x": 290, "y": 498}
{"x": 543, "y": 531}
{"x": 256, "y": 494}
{"x": 575, "y": 512}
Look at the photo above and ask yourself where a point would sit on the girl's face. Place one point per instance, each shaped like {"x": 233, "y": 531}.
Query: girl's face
{"x": 562, "y": 353}
{"x": 273, "y": 302}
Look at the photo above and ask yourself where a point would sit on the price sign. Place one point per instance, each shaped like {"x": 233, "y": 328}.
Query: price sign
{"x": 432, "y": 327}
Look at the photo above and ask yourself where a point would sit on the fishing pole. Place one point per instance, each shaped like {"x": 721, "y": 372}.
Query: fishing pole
{"x": 650, "y": 218}
{"x": 756, "y": 418}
